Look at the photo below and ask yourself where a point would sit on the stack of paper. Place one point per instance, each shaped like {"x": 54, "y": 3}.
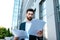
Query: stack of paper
{"x": 19, "y": 33}
{"x": 37, "y": 25}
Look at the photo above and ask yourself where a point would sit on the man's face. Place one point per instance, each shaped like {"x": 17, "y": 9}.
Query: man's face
{"x": 29, "y": 15}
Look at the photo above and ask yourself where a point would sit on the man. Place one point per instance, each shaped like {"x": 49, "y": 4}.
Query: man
{"x": 26, "y": 26}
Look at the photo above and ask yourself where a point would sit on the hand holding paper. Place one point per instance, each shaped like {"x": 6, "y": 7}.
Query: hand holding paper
{"x": 19, "y": 33}
{"x": 36, "y": 26}
{"x": 40, "y": 33}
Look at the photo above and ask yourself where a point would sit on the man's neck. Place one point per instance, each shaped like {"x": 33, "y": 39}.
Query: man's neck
{"x": 28, "y": 20}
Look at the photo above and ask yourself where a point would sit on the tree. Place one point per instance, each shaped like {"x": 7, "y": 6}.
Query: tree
{"x": 8, "y": 34}
{"x": 4, "y": 33}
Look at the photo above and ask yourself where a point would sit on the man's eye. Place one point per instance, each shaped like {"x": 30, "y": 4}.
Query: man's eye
{"x": 29, "y": 13}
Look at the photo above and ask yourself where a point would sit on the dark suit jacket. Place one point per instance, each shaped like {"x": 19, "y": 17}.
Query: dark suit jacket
{"x": 22, "y": 27}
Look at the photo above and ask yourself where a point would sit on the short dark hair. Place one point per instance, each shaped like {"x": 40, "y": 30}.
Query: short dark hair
{"x": 30, "y": 10}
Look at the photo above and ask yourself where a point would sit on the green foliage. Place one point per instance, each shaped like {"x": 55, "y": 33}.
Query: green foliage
{"x": 4, "y": 33}
{"x": 8, "y": 34}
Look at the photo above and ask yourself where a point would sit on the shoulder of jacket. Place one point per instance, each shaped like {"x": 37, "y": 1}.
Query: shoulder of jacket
{"x": 23, "y": 22}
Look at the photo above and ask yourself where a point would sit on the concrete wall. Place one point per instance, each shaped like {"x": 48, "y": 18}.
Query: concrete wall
{"x": 50, "y": 20}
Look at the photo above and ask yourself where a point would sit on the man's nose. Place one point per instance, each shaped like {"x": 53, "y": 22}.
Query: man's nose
{"x": 30, "y": 15}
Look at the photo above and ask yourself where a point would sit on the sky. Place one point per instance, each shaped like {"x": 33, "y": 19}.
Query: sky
{"x": 6, "y": 12}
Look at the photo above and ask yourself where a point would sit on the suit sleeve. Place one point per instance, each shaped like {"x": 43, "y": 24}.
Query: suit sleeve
{"x": 20, "y": 26}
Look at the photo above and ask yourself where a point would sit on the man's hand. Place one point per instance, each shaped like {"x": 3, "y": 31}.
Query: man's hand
{"x": 40, "y": 33}
{"x": 16, "y": 38}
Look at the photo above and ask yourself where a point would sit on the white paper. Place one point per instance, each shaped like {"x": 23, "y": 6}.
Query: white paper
{"x": 19, "y": 33}
{"x": 36, "y": 26}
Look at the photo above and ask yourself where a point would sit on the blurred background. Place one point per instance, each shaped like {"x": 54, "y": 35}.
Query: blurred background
{"x": 12, "y": 13}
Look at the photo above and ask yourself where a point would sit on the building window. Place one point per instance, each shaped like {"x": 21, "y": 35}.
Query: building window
{"x": 41, "y": 9}
{"x": 59, "y": 16}
{"x": 59, "y": 11}
{"x": 34, "y": 13}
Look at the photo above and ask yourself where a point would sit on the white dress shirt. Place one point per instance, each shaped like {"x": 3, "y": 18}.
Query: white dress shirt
{"x": 27, "y": 27}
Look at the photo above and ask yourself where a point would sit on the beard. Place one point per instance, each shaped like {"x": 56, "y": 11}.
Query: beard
{"x": 29, "y": 18}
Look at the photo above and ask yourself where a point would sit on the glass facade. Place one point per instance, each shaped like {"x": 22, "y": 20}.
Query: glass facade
{"x": 59, "y": 11}
{"x": 59, "y": 19}
{"x": 43, "y": 16}
{"x": 15, "y": 13}
{"x": 42, "y": 9}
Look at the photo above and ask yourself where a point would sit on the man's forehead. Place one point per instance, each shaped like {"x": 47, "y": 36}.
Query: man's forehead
{"x": 30, "y": 12}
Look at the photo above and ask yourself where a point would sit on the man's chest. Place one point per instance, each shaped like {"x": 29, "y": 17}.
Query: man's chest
{"x": 27, "y": 26}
